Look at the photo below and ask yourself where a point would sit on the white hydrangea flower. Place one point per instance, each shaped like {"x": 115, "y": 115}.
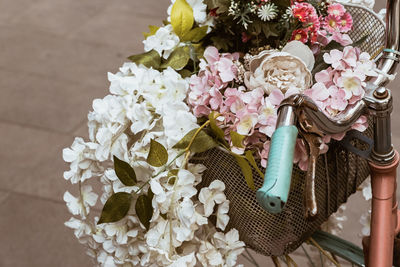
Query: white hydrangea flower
{"x": 164, "y": 41}
{"x": 109, "y": 109}
{"x": 168, "y": 88}
{"x": 81, "y": 228}
{"x": 185, "y": 184}
{"x": 80, "y": 205}
{"x": 185, "y": 211}
{"x": 146, "y": 104}
{"x": 141, "y": 118}
{"x": 222, "y": 215}
{"x": 177, "y": 123}
{"x": 74, "y": 204}
{"x": 230, "y": 245}
{"x": 119, "y": 230}
{"x": 209, "y": 255}
{"x": 156, "y": 233}
{"x": 211, "y": 195}
{"x": 82, "y": 159}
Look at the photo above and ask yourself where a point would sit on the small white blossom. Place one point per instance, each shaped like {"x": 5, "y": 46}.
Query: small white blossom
{"x": 119, "y": 230}
{"x": 80, "y": 205}
{"x": 81, "y": 228}
{"x": 81, "y": 157}
{"x": 211, "y": 195}
{"x": 222, "y": 215}
{"x": 230, "y": 245}
{"x": 163, "y": 41}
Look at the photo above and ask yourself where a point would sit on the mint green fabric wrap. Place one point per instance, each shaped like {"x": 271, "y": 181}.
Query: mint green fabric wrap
{"x": 272, "y": 196}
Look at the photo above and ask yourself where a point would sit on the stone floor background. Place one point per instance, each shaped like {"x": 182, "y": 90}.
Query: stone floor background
{"x": 54, "y": 56}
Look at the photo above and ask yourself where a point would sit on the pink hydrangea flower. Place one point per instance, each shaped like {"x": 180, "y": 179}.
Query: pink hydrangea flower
{"x": 267, "y": 117}
{"x": 253, "y": 114}
{"x": 301, "y": 154}
{"x": 351, "y": 83}
{"x": 233, "y": 99}
{"x": 216, "y": 99}
{"x": 341, "y": 38}
{"x": 319, "y": 94}
{"x": 361, "y": 124}
{"x": 337, "y": 99}
{"x": 264, "y": 154}
{"x": 216, "y": 70}
{"x": 246, "y": 123}
{"x": 334, "y": 58}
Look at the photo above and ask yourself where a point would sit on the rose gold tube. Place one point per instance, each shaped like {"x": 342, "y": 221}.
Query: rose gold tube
{"x": 383, "y": 225}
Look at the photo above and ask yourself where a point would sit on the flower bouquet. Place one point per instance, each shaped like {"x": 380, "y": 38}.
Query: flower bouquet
{"x": 211, "y": 79}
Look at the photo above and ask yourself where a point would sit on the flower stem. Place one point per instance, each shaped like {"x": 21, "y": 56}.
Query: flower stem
{"x": 187, "y": 150}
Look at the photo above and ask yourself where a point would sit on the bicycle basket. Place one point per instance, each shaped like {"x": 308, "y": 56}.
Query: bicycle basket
{"x": 339, "y": 173}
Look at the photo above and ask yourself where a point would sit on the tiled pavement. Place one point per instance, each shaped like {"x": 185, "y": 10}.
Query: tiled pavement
{"x": 54, "y": 56}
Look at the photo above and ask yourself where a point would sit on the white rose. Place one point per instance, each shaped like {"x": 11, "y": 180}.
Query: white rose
{"x": 288, "y": 69}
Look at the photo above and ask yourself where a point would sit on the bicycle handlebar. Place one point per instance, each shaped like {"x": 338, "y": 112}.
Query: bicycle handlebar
{"x": 273, "y": 195}
{"x": 388, "y": 62}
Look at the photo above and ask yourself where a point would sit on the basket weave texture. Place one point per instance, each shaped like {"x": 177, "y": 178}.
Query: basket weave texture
{"x": 339, "y": 173}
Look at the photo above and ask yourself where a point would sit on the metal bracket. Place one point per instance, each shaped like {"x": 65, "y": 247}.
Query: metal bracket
{"x": 356, "y": 135}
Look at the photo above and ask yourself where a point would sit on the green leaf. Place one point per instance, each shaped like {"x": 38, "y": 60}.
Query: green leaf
{"x": 249, "y": 156}
{"x": 335, "y": 45}
{"x": 195, "y": 35}
{"x": 144, "y": 210}
{"x": 221, "y": 43}
{"x": 269, "y": 29}
{"x": 178, "y": 59}
{"x": 125, "y": 172}
{"x": 214, "y": 127}
{"x": 172, "y": 175}
{"x": 182, "y": 18}
{"x": 185, "y": 73}
{"x": 148, "y": 59}
{"x": 153, "y": 29}
{"x": 158, "y": 155}
{"x": 201, "y": 143}
{"x": 237, "y": 139}
{"x": 246, "y": 170}
{"x": 116, "y": 207}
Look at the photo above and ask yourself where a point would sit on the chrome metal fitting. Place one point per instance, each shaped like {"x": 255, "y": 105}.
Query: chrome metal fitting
{"x": 287, "y": 116}
{"x": 380, "y": 105}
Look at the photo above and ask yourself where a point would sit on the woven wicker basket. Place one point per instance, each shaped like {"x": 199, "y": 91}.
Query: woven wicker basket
{"x": 339, "y": 173}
